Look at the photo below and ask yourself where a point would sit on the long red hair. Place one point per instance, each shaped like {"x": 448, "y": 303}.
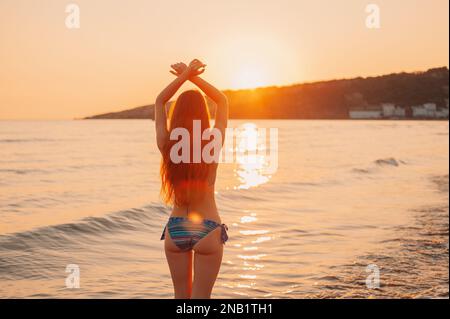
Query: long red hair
{"x": 181, "y": 183}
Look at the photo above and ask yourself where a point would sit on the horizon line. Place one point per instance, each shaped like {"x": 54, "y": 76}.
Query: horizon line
{"x": 245, "y": 89}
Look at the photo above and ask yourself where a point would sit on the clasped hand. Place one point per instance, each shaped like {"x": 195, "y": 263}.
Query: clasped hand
{"x": 195, "y": 68}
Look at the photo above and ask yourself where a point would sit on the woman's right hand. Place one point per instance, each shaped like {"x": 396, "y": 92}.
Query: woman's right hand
{"x": 195, "y": 68}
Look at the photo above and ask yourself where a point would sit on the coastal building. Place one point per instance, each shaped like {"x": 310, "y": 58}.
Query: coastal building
{"x": 369, "y": 112}
{"x": 391, "y": 110}
{"x": 426, "y": 110}
{"x": 419, "y": 111}
{"x": 442, "y": 113}
{"x": 388, "y": 109}
{"x": 431, "y": 109}
{"x": 399, "y": 112}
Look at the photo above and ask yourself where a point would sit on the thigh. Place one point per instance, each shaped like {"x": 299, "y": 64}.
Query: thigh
{"x": 207, "y": 261}
{"x": 180, "y": 265}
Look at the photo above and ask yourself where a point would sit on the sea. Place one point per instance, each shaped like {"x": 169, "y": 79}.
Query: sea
{"x": 330, "y": 209}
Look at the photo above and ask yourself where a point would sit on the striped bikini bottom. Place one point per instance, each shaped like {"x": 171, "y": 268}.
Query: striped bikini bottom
{"x": 185, "y": 233}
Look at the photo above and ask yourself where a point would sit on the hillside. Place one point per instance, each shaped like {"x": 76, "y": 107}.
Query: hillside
{"x": 325, "y": 100}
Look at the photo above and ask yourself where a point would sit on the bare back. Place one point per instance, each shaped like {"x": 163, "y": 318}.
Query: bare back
{"x": 204, "y": 206}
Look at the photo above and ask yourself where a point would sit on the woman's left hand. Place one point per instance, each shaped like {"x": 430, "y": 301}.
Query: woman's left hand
{"x": 178, "y": 68}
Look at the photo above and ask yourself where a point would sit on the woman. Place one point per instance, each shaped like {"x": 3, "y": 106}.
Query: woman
{"x": 194, "y": 224}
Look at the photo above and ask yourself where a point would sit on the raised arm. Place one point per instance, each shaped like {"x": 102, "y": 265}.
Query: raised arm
{"x": 213, "y": 93}
{"x": 218, "y": 97}
{"x": 162, "y": 134}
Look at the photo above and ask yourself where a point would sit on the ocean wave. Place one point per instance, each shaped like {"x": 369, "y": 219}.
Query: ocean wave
{"x": 22, "y": 171}
{"x": 54, "y": 170}
{"x": 404, "y": 263}
{"x": 389, "y": 162}
{"x": 362, "y": 170}
{"x": 381, "y": 162}
{"x": 26, "y": 140}
{"x": 441, "y": 182}
{"x": 89, "y": 228}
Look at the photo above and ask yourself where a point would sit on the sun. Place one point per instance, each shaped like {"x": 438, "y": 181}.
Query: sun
{"x": 249, "y": 76}
{"x": 253, "y": 59}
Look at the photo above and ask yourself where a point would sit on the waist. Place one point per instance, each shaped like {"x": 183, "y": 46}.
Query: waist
{"x": 202, "y": 209}
{"x": 197, "y": 213}
{"x": 198, "y": 216}
{"x": 177, "y": 219}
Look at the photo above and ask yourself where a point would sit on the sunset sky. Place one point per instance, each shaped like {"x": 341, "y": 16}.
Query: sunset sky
{"x": 119, "y": 58}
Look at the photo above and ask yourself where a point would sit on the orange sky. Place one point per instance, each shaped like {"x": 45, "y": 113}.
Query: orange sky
{"x": 120, "y": 56}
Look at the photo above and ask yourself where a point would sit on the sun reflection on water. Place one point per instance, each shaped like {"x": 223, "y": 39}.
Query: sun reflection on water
{"x": 250, "y": 259}
{"x": 253, "y": 232}
{"x": 261, "y": 239}
{"x": 251, "y": 156}
{"x": 248, "y": 219}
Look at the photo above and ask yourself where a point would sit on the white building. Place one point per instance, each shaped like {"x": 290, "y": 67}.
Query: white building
{"x": 419, "y": 111}
{"x": 388, "y": 109}
{"x": 391, "y": 110}
{"x": 371, "y": 112}
{"x": 442, "y": 113}
{"x": 431, "y": 109}
{"x": 425, "y": 110}
{"x": 400, "y": 112}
